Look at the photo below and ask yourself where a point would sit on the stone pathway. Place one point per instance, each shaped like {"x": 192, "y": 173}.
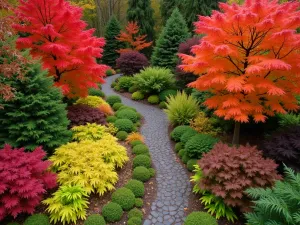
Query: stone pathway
{"x": 173, "y": 186}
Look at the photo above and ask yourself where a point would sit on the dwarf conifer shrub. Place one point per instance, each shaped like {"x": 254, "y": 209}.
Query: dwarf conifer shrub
{"x": 83, "y": 114}
{"x": 122, "y": 135}
{"x": 134, "y": 221}
{"x": 181, "y": 153}
{"x": 117, "y": 105}
{"x": 178, "y": 131}
{"x": 178, "y": 146}
{"x": 131, "y": 62}
{"x": 167, "y": 93}
{"x": 153, "y": 99}
{"x": 141, "y": 173}
{"x": 140, "y": 149}
{"x": 187, "y": 136}
{"x": 138, "y": 95}
{"x": 124, "y": 125}
{"x": 132, "y": 89}
{"x": 95, "y": 219}
{"x": 24, "y": 180}
{"x": 37, "y": 219}
{"x": 127, "y": 114}
{"x": 135, "y": 143}
{"x": 135, "y": 213}
{"x": 124, "y": 197}
{"x": 229, "y": 171}
{"x": 142, "y": 160}
{"x": 139, "y": 202}
{"x": 162, "y": 105}
{"x": 112, "y": 212}
{"x": 152, "y": 172}
{"x": 137, "y": 187}
{"x": 125, "y": 82}
{"x": 111, "y": 119}
{"x": 112, "y": 99}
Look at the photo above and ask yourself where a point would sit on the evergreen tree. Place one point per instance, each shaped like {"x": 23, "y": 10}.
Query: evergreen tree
{"x": 174, "y": 33}
{"x": 141, "y": 12}
{"x": 36, "y": 116}
{"x": 110, "y": 54}
{"x": 167, "y": 7}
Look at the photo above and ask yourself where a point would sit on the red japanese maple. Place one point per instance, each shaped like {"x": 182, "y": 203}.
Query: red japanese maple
{"x": 135, "y": 41}
{"x": 56, "y": 34}
{"x": 249, "y": 59}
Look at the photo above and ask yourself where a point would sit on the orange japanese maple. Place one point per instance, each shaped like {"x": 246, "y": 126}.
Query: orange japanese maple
{"x": 57, "y": 35}
{"x": 136, "y": 42}
{"x": 249, "y": 59}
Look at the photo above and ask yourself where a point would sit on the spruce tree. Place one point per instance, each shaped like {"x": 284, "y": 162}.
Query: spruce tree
{"x": 36, "y": 116}
{"x": 167, "y": 7}
{"x": 110, "y": 53}
{"x": 174, "y": 33}
{"x": 141, "y": 12}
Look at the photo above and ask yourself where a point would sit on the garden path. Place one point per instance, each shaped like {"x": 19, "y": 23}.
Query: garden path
{"x": 173, "y": 186}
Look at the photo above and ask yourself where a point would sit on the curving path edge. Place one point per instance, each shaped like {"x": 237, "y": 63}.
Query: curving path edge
{"x": 173, "y": 186}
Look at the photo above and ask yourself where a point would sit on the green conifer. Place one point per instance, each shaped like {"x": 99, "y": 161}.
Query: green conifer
{"x": 166, "y": 49}
{"x": 167, "y": 7}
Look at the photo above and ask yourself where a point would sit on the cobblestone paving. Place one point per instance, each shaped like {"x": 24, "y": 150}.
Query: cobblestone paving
{"x": 173, "y": 186}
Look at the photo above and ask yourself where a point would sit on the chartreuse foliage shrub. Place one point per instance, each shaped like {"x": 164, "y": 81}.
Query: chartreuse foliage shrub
{"x": 83, "y": 114}
{"x": 153, "y": 80}
{"x": 166, "y": 93}
{"x": 135, "y": 137}
{"x": 229, "y": 171}
{"x": 112, "y": 212}
{"x": 124, "y": 197}
{"x": 37, "y": 219}
{"x": 139, "y": 202}
{"x": 90, "y": 131}
{"x": 200, "y": 144}
{"x": 36, "y": 116}
{"x": 141, "y": 173}
{"x": 142, "y": 160}
{"x": 95, "y": 219}
{"x": 112, "y": 99}
{"x": 24, "y": 179}
{"x": 276, "y": 205}
{"x": 179, "y": 131}
{"x": 127, "y": 114}
{"x": 111, "y": 129}
{"x": 284, "y": 147}
{"x": 181, "y": 109}
{"x": 213, "y": 204}
{"x": 117, "y": 105}
{"x": 200, "y": 218}
{"x": 68, "y": 204}
{"x": 124, "y": 125}
{"x": 289, "y": 120}
{"x": 203, "y": 125}
{"x": 153, "y": 99}
{"x": 96, "y": 92}
{"x": 92, "y": 101}
{"x": 137, "y": 187}
{"x": 138, "y": 95}
{"x": 125, "y": 82}
{"x": 140, "y": 149}
{"x": 122, "y": 135}
{"x": 90, "y": 164}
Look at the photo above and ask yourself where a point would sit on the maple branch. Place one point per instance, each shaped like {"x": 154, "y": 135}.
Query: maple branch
{"x": 231, "y": 60}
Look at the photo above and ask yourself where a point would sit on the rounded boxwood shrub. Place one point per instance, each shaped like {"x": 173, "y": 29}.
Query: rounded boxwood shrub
{"x": 127, "y": 114}
{"x": 113, "y": 84}
{"x": 135, "y": 213}
{"x": 96, "y": 92}
{"x": 122, "y": 135}
{"x": 124, "y": 197}
{"x": 153, "y": 99}
{"x": 135, "y": 143}
{"x": 134, "y": 221}
{"x": 200, "y": 218}
{"x": 190, "y": 164}
{"x": 133, "y": 89}
{"x": 187, "y": 136}
{"x": 141, "y": 173}
{"x": 163, "y": 105}
{"x": 178, "y": 146}
{"x": 111, "y": 119}
{"x": 152, "y": 172}
{"x": 131, "y": 62}
{"x": 142, "y": 160}
{"x": 140, "y": 149}
{"x": 166, "y": 93}
{"x": 116, "y": 106}
{"x": 137, "y": 95}
{"x": 137, "y": 187}
{"x": 137, "y": 124}
{"x": 185, "y": 158}
{"x": 181, "y": 153}
{"x": 199, "y": 144}
{"x": 178, "y": 131}
{"x": 124, "y": 125}
{"x": 37, "y": 219}
{"x": 112, "y": 99}
{"x": 126, "y": 107}
{"x": 95, "y": 219}
{"x": 112, "y": 212}
{"x": 139, "y": 202}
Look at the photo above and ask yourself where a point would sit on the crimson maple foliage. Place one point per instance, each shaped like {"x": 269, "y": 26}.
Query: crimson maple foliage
{"x": 249, "y": 59}
{"x": 24, "y": 180}
{"x": 56, "y": 34}
{"x": 135, "y": 41}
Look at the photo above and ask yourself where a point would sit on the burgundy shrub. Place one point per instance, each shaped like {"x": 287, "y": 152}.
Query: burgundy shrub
{"x": 131, "y": 62}
{"x": 82, "y": 114}
{"x": 23, "y": 180}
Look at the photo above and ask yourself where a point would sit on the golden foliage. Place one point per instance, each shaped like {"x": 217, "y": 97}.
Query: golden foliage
{"x": 110, "y": 128}
{"x": 92, "y": 101}
{"x": 90, "y": 131}
{"x": 135, "y": 136}
{"x": 203, "y": 124}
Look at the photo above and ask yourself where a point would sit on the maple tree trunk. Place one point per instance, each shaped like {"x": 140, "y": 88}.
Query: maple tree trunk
{"x": 236, "y": 133}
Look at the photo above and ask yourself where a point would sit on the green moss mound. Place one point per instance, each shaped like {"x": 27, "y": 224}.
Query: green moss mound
{"x": 140, "y": 149}
{"x": 124, "y": 197}
{"x": 200, "y": 218}
{"x": 191, "y": 163}
{"x": 139, "y": 202}
{"x": 37, "y": 219}
{"x": 112, "y": 212}
{"x": 112, "y": 99}
{"x": 142, "y": 160}
{"x": 95, "y": 219}
{"x": 122, "y": 135}
{"x": 135, "y": 213}
{"x": 137, "y": 187}
{"x": 124, "y": 125}
{"x": 141, "y": 173}
{"x": 134, "y": 221}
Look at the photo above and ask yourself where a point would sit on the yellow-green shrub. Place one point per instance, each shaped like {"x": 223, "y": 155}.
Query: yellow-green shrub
{"x": 90, "y": 131}
{"x": 90, "y": 164}
{"x": 111, "y": 129}
{"x": 92, "y": 101}
{"x": 203, "y": 124}
{"x": 67, "y": 204}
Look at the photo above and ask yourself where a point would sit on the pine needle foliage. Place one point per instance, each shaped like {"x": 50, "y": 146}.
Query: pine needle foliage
{"x": 279, "y": 204}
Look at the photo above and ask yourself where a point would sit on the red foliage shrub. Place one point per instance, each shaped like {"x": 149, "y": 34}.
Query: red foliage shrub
{"x": 131, "y": 62}
{"x": 83, "y": 114}
{"x": 229, "y": 171}
{"x": 24, "y": 179}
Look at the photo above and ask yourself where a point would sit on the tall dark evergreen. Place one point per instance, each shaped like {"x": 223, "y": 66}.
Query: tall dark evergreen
{"x": 37, "y": 115}
{"x": 110, "y": 55}
{"x": 174, "y": 33}
{"x": 193, "y": 8}
{"x": 167, "y": 7}
{"x": 142, "y": 12}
